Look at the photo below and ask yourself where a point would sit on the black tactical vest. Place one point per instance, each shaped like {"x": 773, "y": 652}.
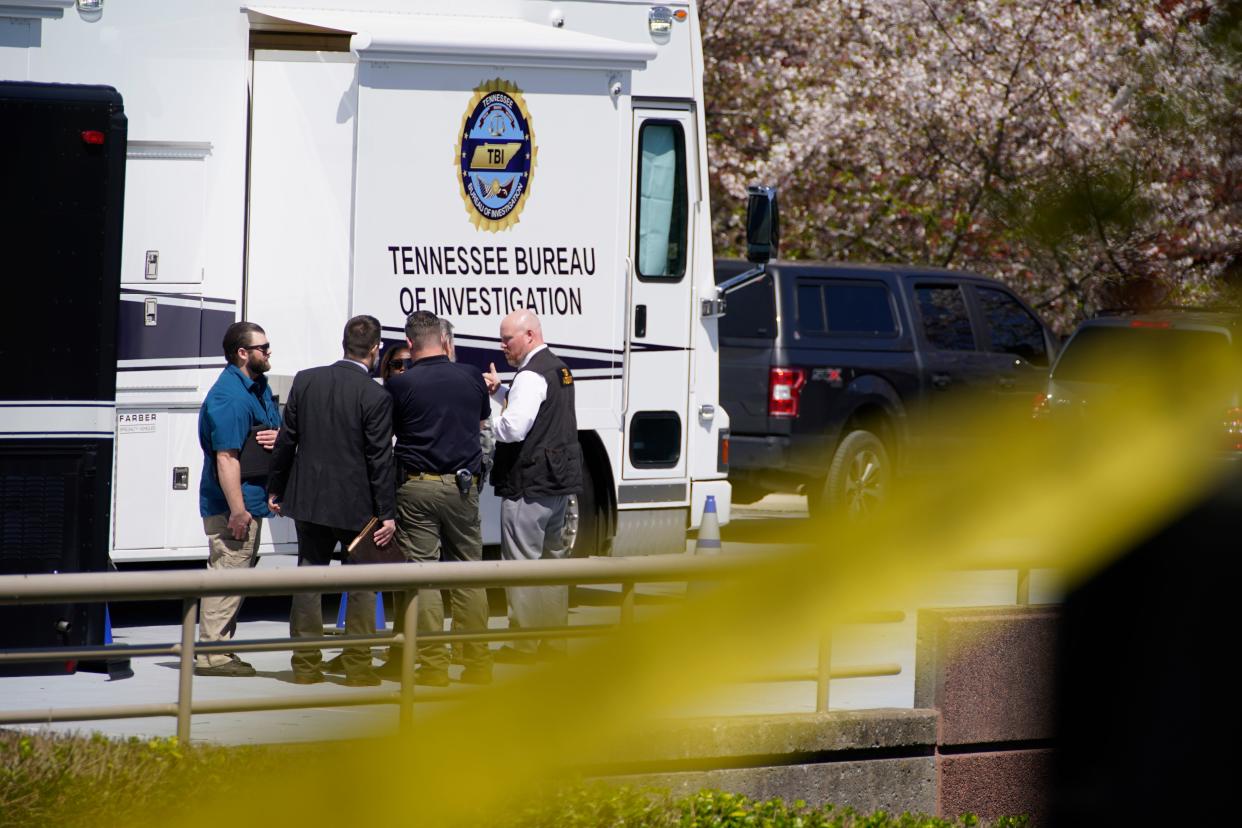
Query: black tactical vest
{"x": 549, "y": 461}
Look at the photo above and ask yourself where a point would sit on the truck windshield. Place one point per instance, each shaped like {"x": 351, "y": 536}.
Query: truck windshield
{"x": 1127, "y": 355}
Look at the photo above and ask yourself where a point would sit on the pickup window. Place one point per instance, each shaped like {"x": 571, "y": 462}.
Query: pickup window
{"x": 945, "y": 320}
{"x": 1012, "y": 329}
{"x": 751, "y": 311}
{"x": 857, "y": 308}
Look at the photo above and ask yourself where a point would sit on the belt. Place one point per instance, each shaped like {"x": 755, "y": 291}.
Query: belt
{"x": 429, "y": 476}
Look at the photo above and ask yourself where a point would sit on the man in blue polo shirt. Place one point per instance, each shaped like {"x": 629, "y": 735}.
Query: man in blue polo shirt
{"x": 232, "y": 508}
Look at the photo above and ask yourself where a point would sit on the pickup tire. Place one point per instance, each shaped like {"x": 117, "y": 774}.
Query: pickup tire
{"x": 858, "y": 480}
{"x": 744, "y": 493}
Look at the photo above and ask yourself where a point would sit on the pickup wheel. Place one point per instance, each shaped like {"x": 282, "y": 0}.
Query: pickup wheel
{"x": 744, "y": 493}
{"x": 858, "y": 479}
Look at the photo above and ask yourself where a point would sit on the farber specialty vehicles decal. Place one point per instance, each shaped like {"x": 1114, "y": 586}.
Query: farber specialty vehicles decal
{"x": 496, "y": 155}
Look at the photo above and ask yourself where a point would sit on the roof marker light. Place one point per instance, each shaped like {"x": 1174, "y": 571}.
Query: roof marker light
{"x": 92, "y": 136}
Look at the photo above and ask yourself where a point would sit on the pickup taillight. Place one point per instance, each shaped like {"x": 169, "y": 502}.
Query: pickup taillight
{"x": 1233, "y": 428}
{"x": 1041, "y": 406}
{"x": 784, "y": 391}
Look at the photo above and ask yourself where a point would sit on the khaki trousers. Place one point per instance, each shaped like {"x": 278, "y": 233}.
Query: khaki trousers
{"x": 435, "y": 521}
{"x": 217, "y": 615}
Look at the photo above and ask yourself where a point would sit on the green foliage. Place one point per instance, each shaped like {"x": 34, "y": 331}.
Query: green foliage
{"x": 598, "y": 805}
{"x": 70, "y": 780}
{"x": 79, "y": 780}
{"x": 1224, "y": 30}
{"x": 1080, "y": 204}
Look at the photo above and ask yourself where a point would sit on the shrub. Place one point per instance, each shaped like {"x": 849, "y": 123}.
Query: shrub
{"x": 52, "y": 779}
{"x": 604, "y": 806}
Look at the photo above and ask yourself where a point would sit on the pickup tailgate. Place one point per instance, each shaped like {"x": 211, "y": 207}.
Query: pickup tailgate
{"x": 747, "y": 337}
{"x": 744, "y": 385}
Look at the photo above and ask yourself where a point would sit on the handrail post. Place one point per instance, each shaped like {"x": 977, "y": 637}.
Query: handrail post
{"x": 1024, "y": 587}
{"x": 627, "y": 602}
{"x": 409, "y": 646}
{"x": 185, "y": 686}
{"x": 824, "y": 673}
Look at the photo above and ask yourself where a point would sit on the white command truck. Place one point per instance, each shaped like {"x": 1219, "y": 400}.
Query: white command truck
{"x": 295, "y": 165}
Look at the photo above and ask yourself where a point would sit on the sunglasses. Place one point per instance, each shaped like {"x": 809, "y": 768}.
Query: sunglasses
{"x": 266, "y": 348}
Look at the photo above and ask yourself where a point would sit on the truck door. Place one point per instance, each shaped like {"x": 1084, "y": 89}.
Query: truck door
{"x": 657, "y": 338}
{"x": 1017, "y": 352}
{"x": 957, "y": 370}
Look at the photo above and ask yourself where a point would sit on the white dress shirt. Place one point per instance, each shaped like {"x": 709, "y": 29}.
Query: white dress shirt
{"x": 520, "y": 403}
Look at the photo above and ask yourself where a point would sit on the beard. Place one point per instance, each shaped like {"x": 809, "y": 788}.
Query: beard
{"x": 258, "y": 363}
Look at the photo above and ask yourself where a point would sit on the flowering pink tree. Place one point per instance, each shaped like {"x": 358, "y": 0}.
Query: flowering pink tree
{"x": 1076, "y": 150}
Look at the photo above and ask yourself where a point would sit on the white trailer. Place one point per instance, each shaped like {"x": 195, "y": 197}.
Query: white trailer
{"x": 296, "y": 165}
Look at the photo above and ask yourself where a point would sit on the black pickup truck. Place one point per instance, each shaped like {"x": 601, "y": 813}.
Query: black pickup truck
{"x": 832, "y": 373}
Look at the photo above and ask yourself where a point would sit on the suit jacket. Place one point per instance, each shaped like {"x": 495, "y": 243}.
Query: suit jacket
{"x": 332, "y": 464}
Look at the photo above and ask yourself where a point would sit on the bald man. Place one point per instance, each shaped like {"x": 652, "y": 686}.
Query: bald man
{"x": 538, "y": 466}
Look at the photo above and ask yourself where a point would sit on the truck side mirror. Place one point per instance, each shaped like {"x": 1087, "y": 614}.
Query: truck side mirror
{"x": 762, "y": 224}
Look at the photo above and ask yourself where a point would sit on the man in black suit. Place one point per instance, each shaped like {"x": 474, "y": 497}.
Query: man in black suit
{"x": 332, "y": 471}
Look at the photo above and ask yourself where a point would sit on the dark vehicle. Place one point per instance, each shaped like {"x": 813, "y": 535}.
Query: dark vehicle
{"x": 829, "y": 372}
{"x": 1164, "y": 353}
{"x": 62, "y": 161}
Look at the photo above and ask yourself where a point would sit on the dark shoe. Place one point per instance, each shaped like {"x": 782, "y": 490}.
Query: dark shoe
{"x": 477, "y": 675}
{"x": 508, "y": 655}
{"x": 430, "y": 678}
{"x": 335, "y": 665}
{"x": 362, "y": 680}
{"x": 389, "y": 670}
{"x": 314, "y": 677}
{"x": 236, "y": 667}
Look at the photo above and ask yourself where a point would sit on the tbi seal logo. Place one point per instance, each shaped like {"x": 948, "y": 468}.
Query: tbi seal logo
{"x": 495, "y": 155}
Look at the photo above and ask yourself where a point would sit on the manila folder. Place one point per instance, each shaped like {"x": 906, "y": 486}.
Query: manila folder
{"x": 362, "y": 548}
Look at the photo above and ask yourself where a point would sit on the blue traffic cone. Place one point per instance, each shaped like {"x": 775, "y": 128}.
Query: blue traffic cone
{"x": 380, "y": 622}
{"x": 708, "y": 542}
{"x": 116, "y": 667}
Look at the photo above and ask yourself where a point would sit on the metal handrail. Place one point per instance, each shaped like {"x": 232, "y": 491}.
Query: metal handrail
{"x": 138, "y": 586}
{"x": 405, "y": 578}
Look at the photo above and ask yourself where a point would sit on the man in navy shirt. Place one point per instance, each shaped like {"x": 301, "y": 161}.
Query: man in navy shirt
{"x": 438, "y": 407}
{"x": 232, "y": 508}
